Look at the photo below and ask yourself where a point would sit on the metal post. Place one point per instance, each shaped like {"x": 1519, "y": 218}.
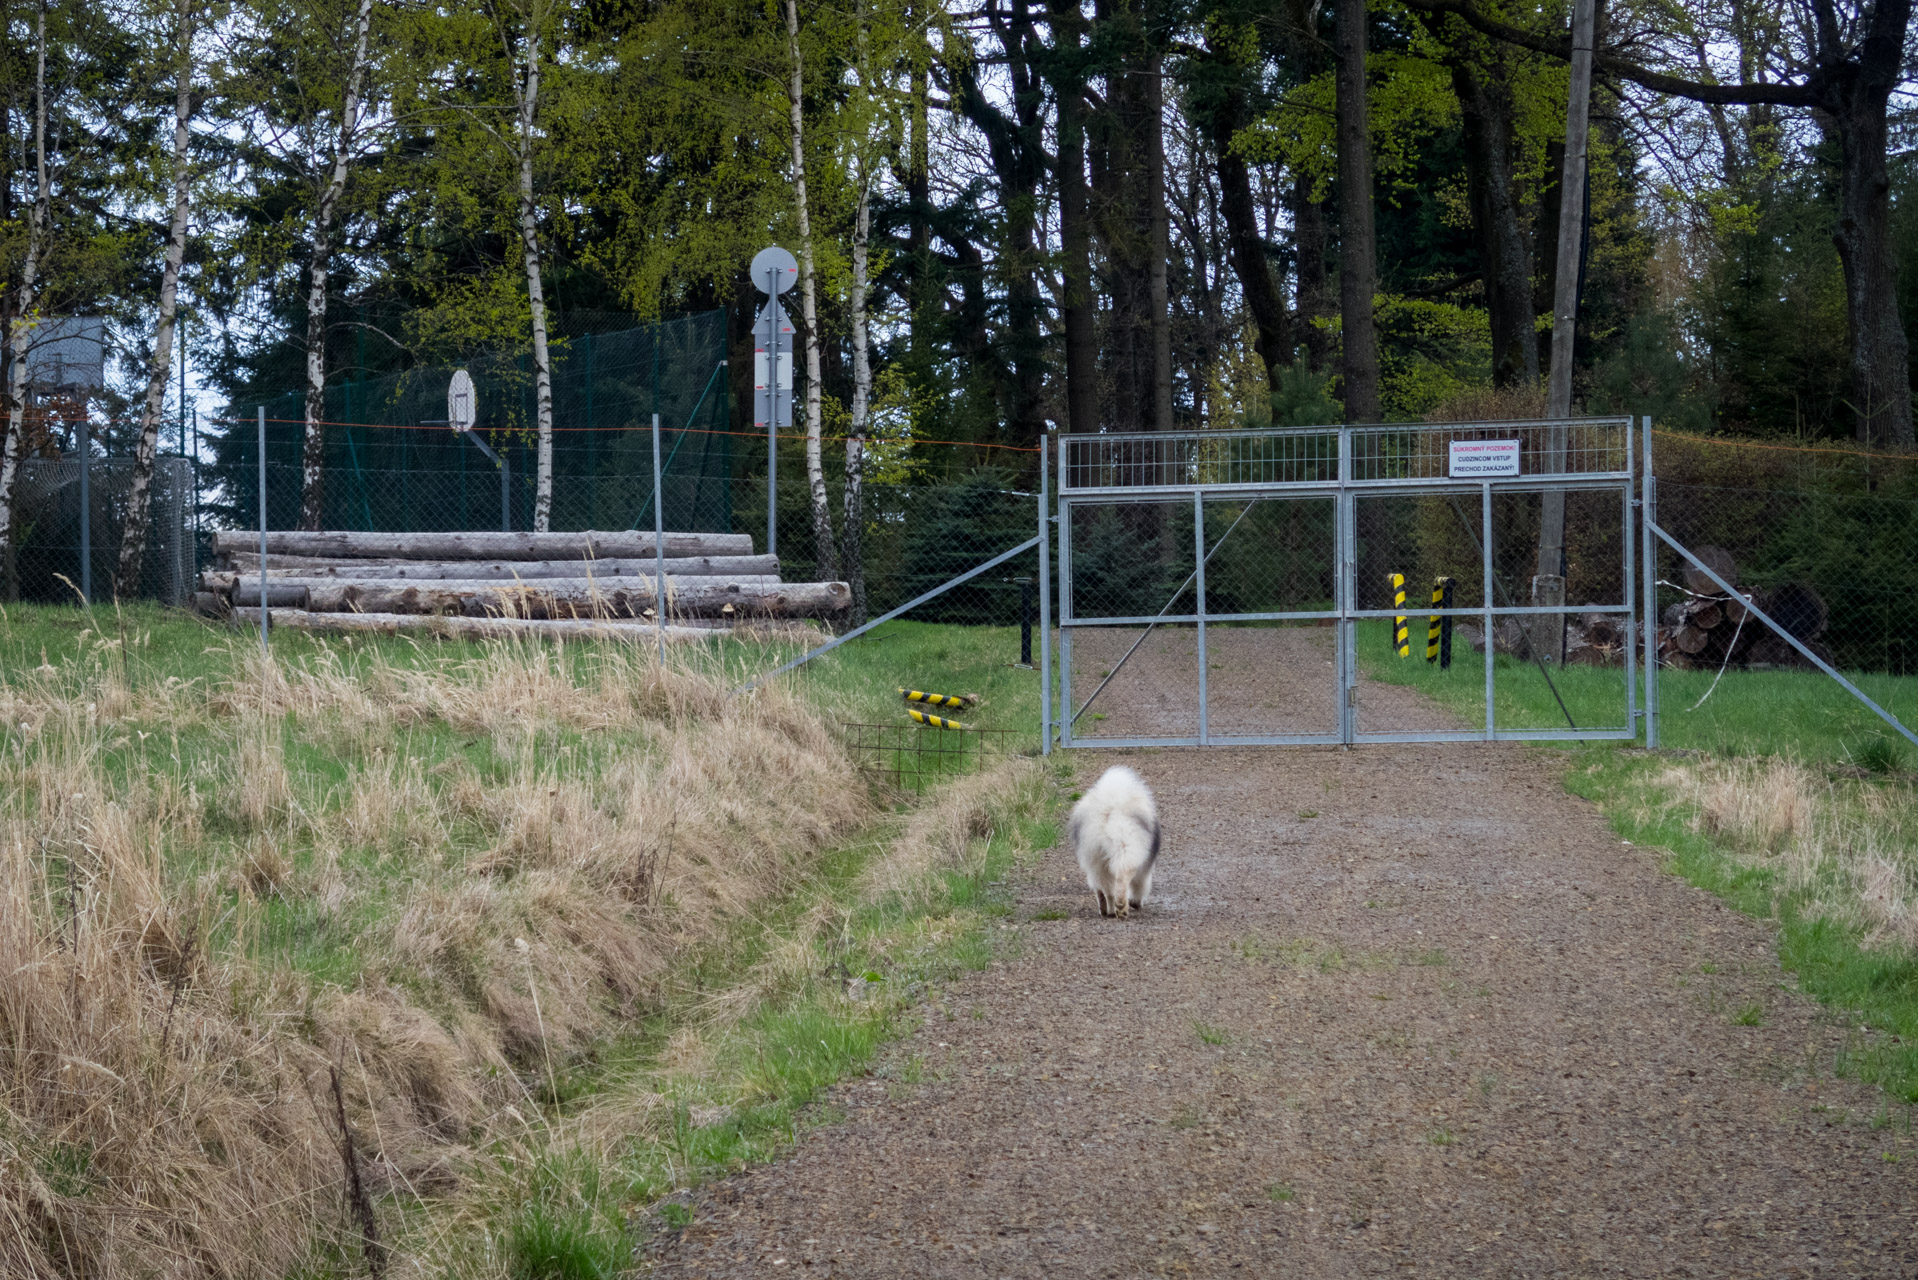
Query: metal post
{"x": 1045, "y": 607}
{"x": 1485, "y": 549}
{"x": 264, "y": 646}
{"x": 1198, "y": 543}
{"x": 659, "y": 547}
{"x": 505, "y": 494}
{"x": 86, "y": 509}
{"x": 772, "y": 417}
{"x": 1648, "y": 513}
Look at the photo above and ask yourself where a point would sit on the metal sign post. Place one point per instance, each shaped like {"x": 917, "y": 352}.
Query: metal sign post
{"x": 264, "y": 646}
{"x": 774, "y": 271}
{"x": 86, "y": 510}
{"x": 659, "y": 548}
{"x": 462, "y": 411}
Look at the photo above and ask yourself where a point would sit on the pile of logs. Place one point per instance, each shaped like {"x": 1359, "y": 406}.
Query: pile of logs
{"x": 1712, "y": 629}
{"x": 491, "y": 583}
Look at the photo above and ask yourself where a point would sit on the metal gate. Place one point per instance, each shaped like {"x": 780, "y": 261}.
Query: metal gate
{"x": 1307, "y": 585}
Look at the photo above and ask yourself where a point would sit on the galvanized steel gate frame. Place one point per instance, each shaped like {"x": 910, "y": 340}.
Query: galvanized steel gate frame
{"x": 1345, "y": 464}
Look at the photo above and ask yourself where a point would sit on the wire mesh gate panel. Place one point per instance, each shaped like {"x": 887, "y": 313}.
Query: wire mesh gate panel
{"x": 1306, "y": 585}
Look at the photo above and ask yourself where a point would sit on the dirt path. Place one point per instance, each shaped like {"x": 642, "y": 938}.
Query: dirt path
{"x": 1396, "y": 1011}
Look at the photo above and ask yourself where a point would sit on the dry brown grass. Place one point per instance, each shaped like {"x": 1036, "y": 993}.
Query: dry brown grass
{"x": 509, "y": 852}
{"x": 1850, "y": 846}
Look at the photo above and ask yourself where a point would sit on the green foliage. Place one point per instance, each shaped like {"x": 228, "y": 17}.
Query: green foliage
{"x": 1301, "y": 400}
{"x": 958, "y": 526}
{"x": 1649, "y": 374}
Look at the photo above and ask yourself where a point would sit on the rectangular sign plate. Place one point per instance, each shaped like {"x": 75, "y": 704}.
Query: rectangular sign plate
{"x": 1477, "y": 459}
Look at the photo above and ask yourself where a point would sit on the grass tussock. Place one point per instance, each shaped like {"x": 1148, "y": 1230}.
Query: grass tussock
{"x": 436, "y": 886}
{"x": 1844, "y": 849}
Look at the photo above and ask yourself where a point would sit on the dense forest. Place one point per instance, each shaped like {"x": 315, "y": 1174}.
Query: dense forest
{"x": 1009, "y": 215}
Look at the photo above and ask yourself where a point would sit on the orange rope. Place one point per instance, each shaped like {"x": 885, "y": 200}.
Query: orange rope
{"x": 1866, "y": 454}
{"x": 702, "y": 431}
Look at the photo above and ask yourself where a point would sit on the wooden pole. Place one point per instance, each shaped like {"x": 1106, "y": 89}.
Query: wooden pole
{"x": 1548, "y": 582}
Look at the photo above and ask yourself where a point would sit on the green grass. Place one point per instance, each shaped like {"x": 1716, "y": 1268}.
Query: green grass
{"x": 1801, "y": 714}
{"x": 865, "y": 675}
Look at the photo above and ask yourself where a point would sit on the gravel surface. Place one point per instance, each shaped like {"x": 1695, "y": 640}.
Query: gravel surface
{"x": 1393, "y": 1011}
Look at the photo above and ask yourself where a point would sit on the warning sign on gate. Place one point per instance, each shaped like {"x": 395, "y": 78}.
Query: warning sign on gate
{"x": 1476, "y": 459}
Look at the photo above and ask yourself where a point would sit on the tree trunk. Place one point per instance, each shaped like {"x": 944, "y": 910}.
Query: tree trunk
{"x": 1880, "y": 356}
{"x": 283, "y": 565}
{"x": 823, "y": 550}
{"x": 480, "y": 545}
{"x": 1505, "y": 261}
{"x": 528, "y": 94}
{"x": 854, "y": 521}
{"x": 1078, "y": 304}
{"x": 140, "y": 492}
{"x": 25, "y": 300}
{"x": 550, "y": 597}
{"x": 1314, "y": 289}
{"x": 1358, "y": 241}
{"x": 1158, "y": 222}
{"x": 1122, "y": 140}
{"x": 313, "y": 451}
{"x": 1079, "y": 308}
{"x": 1264, "y": 297}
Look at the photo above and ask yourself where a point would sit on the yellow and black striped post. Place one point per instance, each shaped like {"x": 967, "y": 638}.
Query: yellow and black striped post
{"x": 936, "y": 722}
{"x": 1401, "y": 630}
{"x": 1438, "y": 636}
{"x": 936, "y": 699}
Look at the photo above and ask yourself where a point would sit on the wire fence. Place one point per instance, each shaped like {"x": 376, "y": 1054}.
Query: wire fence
{"x": 1824, "y": 539}
{"x": 68, "y": 528}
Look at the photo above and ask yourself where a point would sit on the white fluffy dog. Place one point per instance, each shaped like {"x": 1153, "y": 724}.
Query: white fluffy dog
{"x": 1115, "y": 831}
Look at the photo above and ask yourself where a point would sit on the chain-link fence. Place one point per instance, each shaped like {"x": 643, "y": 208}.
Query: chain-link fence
{"x": 1827, "y": 536}
{"x": 68, "y": 527}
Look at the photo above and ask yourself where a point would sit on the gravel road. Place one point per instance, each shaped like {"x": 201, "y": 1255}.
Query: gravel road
{"x": 1394, "y": 1011}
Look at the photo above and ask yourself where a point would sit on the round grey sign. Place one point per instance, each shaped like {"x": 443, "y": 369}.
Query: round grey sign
{"x": 769, "y": 261}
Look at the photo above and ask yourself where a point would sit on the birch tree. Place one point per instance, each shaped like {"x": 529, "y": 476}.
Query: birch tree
{"x": 809, "y": 311}
{"x": 140, "y": 492}
{"x": 855, "y": 509}
{"x": 526, "y": 78}
{"x": 26, "y": 299}
{"x": 313, "y": 451}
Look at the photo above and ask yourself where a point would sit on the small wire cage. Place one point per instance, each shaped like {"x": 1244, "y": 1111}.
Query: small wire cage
{"x": 913, "y": 757}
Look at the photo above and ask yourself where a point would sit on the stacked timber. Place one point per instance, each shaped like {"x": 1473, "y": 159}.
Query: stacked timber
{"x": 1713, "y": 628}
{"x": 587, "y": 580}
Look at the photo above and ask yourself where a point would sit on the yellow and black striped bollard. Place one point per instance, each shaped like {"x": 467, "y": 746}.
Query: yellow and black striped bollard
{"x": 937, "y": 722}
{"x": 1401, "y": 627}
{"x": 934, "y": 699}
{"x": 1442, "y": 592}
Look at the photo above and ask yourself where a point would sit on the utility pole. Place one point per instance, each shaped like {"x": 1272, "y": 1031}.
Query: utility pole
{"x": 1548, "y": 581}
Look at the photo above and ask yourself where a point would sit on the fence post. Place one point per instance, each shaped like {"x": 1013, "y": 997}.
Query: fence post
{"x": 1045, "y": 604}
{"x": 264, "y": 646}
{"x": 659, "y": 548}
{"x": 86, "y": 510}
{"x": 1647, "y": 507}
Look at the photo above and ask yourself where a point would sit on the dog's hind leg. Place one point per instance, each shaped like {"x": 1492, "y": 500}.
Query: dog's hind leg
{"x": 1105, "y": 908}
{"x": 1121, "y": 893}
{"x": 1141, "y": 889}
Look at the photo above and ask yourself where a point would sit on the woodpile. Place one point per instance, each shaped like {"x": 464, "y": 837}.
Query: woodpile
{"x": 1708, "y": 629}
{"x": 712, "y": 580}
{"x": 1711, "y": 629}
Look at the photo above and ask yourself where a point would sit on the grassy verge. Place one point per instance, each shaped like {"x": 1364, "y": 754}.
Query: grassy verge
{"x": 1781, "y": 793}
{"x": 508, "y": 933}
{"x": 732, "y": 1067}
